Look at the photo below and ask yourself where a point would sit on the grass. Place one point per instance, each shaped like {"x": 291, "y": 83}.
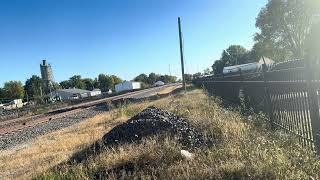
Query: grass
{"x": 244, "y": 148}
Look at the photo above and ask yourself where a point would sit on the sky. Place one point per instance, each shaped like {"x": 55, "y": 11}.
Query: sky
{"x": 120, "y": 37}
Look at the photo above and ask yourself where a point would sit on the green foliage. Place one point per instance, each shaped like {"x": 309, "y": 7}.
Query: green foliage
{"x": 104, "y": 82}
{"x": 116, "y": 79}
{"x": 89, "y": 84}
{"x": 188, "y": 78}
{"x": 207, "y": 71}
{"x": 107, "y": 82}
{"x": 34, "y": 87}
{"x": 96, "y": 83}
{"x": 56, "y": 85}
{"x": 142, "y": 78}
{"x": 196, "y": 75}
{"x": 167, "y": 79}
{"x": 233, "y": 55}
{"x": 284, "y": 25}
{"x": 152, "y": 78}
{"x": 13, "y": 90}
{"x": 77, "y": 82}
{"x": 266, "y": 48}
{"x": 2, "y": 94}
{"x": 65, "y": 84}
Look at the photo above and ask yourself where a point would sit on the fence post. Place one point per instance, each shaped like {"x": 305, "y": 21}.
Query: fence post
{"x": 313, "y": 106}
{"x": 267, "y": 102}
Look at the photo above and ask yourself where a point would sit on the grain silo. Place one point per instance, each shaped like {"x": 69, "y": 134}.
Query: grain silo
{"x": 46, "y": 71}
{"x": 47, "y": 76}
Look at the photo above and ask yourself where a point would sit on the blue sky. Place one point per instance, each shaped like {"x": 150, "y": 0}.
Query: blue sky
{"x": 121, "y": 37}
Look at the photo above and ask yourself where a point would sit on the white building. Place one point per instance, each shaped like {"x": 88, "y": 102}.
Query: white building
{"x": 127, "y": 86}
{"x": 95, "y": 92}
{"x": 72, "y": 94}
{"x": 15, "y": 104}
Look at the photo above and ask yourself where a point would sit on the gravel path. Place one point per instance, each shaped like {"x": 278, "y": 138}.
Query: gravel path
{"x": 8, "y": 141}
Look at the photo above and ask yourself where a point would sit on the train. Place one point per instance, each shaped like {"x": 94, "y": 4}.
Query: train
{"x": 248, "y": 68}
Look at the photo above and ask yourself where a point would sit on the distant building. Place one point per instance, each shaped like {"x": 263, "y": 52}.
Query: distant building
{"x": 127, "y": 86}
{"x": 95, "y": 92}
{"x": 72, "y": 94}
{"x": 15, "y": 104}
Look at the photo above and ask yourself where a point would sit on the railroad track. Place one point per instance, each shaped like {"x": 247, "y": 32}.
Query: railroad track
{"x": 15, "y": 125}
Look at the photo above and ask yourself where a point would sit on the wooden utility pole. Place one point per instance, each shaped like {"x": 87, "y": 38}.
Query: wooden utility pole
{"x": 181, "y": 54}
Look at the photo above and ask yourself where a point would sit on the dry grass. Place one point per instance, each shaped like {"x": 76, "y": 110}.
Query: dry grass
{"x": 49, "y": 150}
{"x": 168, "y": 90}
{"x": 245, "y": 149}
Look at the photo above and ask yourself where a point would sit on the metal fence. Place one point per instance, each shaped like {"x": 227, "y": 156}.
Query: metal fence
{"x": 288, "y": 94}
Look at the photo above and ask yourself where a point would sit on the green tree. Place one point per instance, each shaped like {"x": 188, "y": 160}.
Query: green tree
{"x": 233, "y": 55}
{"x": 207, "y": 71}
{"x": 196, "y": 75}
{"x": 34, "y": 87}
{"x": 89, "y": 84}
{"x": 167, "y": 79}
{"x": 77, "y": 82}
{"x": 116, "y": 79}
{"x": 217, "y": 67}
{"x": 96, "y": 83}
{"x": 188, "y": 78}
{"x": 2, "y": 94}
{"x": 285, "y": 24}
{"x": 105, "y": 82}
{"x": 56, "y": 86}
{"x": 142, "y": 78}
{"x": 153, "y": 77}
{"x": 266, "y": 48}
{"x": 65, "y": 84}
{"x": 13, "y": 90}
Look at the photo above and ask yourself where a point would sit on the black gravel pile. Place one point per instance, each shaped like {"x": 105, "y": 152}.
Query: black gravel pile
{"x": 153, "y": 121}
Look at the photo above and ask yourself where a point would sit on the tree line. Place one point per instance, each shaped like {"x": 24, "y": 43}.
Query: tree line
{"x": 149, "y": 80}
{"x": 288, "y": 30}
{"x": 35, "y": 88}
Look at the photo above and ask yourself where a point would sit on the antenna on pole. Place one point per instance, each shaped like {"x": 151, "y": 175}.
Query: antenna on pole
{"x": 181, "y": 54}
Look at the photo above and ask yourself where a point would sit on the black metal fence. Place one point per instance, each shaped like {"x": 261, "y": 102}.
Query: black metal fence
{"x": 288, "y": 94}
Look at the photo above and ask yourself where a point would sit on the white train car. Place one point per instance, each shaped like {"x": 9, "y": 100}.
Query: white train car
{"x": 248, "y": 68}
{"x": 127, "y": 86}
{"x": 251, "y": 67}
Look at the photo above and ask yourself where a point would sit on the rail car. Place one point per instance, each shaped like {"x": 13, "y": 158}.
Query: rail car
{"x": 248, "y": 68}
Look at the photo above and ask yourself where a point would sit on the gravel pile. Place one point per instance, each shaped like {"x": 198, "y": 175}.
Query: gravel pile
{"x": 153, "y": 121}
{"x": 8, "y": 141}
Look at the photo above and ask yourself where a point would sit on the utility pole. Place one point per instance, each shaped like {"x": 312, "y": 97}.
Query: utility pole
{"x": 169, "y": 69}
{"x": 181, "y": 55}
